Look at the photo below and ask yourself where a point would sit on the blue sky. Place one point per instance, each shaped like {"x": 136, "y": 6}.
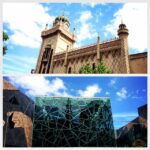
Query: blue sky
{"x": 24, "y": 28}
{"x": 126, "y": 93}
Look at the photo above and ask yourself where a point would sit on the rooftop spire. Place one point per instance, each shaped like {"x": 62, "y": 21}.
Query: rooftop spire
{"x": 121, "y": 21}
{"x": 46, "y": 26}
{"x": 98, "y": 35}
{"x": 98, "y": 47}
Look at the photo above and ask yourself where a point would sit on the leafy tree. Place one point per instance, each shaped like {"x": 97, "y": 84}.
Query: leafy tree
{"x": 86, "y": 69}
{"x": 5, "y": 38}
{"x": 100, "y": 68}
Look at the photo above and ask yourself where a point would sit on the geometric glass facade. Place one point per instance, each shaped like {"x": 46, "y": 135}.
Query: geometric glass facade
{"x": 73, "y": 122}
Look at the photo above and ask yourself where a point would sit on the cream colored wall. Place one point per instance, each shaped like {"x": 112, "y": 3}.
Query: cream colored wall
{"x": 62, "y": 44}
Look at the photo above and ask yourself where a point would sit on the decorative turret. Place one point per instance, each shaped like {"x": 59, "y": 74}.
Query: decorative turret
{"x": 46, "y": 26}
{"x": 122, "y": 30}
{"x": 62, "y": 20}
{"x": 123, "y": 36}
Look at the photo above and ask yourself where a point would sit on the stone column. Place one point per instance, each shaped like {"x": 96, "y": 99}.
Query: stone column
{"x": 98, "y": 49}
{"x": 65, "y": 61}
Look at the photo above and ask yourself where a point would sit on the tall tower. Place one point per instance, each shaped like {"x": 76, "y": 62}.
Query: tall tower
{"x": 54, "y": 41}
{"x": 68, "y": 113}
{"x": 123, "y": 36}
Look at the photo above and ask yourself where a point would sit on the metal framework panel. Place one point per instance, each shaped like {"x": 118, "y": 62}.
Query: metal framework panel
{"x": 73, "y": 122}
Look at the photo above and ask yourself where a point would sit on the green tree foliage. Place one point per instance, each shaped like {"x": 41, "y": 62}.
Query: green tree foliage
{"x": 100, "y": 68}
{"x": 5, "y": 38}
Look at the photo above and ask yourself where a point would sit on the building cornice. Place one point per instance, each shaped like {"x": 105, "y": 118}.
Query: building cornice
{"x": 89, "y": 50}
{"x": 58, "y": 29}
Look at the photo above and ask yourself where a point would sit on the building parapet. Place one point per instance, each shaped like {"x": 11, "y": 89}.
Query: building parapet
{"x": 137, "y": 56}
{"x": 90, "y": 49}
{"x": 58, "y": 28}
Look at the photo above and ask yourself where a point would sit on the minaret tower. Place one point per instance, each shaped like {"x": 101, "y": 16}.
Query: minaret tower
{"x": 54, "y": 41}
{"x": 123, "y": 36}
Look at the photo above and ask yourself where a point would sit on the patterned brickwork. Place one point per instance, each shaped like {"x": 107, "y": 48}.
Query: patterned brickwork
{"x": 113, "y": 53}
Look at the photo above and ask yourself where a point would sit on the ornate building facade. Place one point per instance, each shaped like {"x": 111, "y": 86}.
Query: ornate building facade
{"x": 58, "y": 55}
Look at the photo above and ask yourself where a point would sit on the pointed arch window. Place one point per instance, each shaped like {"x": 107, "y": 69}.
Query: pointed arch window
{"x": 69, "y": 70}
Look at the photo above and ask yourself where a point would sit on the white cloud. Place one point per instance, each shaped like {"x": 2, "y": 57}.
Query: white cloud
{"x": 137, "y": 91}
{"x": 136, "y": 94}
{"x": 112, "y": 82}
{"x": 143, "y": 90}
{"x": 86, "y": 30}
{"x": 103, "y": 3}
{"x": 136, "y": 97}
{"x": 125, "y": 114}
{"x": 134, "y": 15}
{"x": 39, "y": 85}
{"x": 122, "y": 94}
{"x": 91, "y": 4}
{"x": 17, "y": 59}
{"x": 107, "y": 93}
{"x": 8, "y": 69}
{"x": 90, "y": 91}
{"x": 85, "y": 16}
{"x": 18, "y": 64}
{"x": 121, "y": 119}
{"x": 98, "y": 15}
{"x": 26, "y": 21}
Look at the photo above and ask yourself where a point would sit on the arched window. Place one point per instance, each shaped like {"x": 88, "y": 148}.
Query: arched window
{"x": 45, "y": 54}
{"x": 69, "y": 70}
{"x": 93, "y": 66}
{"x": 44, "y": 69}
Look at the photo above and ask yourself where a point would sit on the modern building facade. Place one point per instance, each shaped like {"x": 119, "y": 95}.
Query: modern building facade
{"x": 17, "y": 117}
{"x": 134, "y": 134}
{"x": 73, "y": 122}
{"x": 58, "y": 54}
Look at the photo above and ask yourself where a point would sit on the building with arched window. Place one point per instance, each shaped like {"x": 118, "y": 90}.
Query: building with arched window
{"x": 58, "y": 54}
